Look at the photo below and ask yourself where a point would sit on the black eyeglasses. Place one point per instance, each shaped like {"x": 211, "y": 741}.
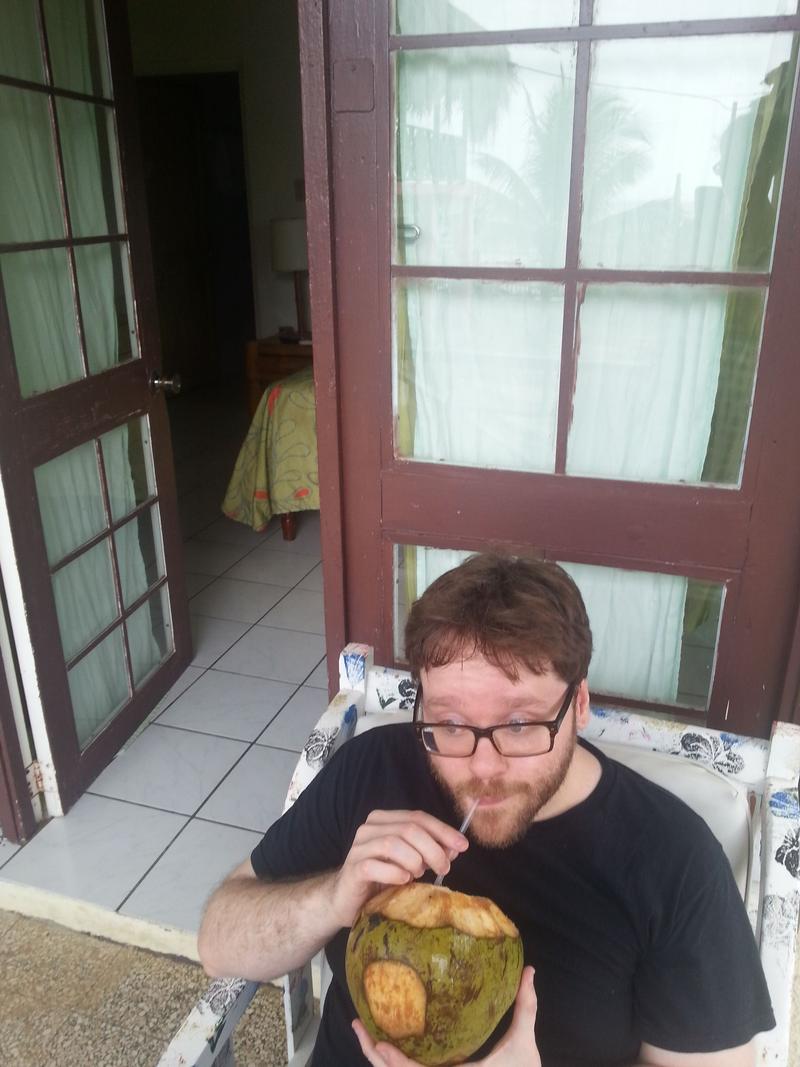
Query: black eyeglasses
{"x": 509, "y": 738}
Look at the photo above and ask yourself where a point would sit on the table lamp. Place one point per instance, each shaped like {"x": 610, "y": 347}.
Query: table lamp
{"x": 290, "y": 256}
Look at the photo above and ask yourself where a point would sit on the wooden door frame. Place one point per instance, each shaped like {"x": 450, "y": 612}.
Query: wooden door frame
{"x": 346, "y": 121}
{"x": 17, "y": 819}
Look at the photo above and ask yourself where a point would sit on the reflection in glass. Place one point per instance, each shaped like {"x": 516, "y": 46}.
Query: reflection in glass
{"x": 85, "y": 600}
{"x": 640, "y": 634}
{"x": 150, "y": 635}
{"x": 70, "y": 501}
{"x": 469, "y": 16}
{"x": 98, "y": 686}
{"x": 106, "y": 305}
{"x": 20, "y": 53}
{"x": 30, "y": 203}
{"x": 41, "y": 312}
{"x": 664, "y": 383}
{"x": 76, "y": 35}
{"x": 88, "y": 141}
{"x": 483, "y": 151}
{"x": 477, "y": 372}
{"x": 139, "y": 554}
{"x": 617, "y": 11}
{"x": 655, "y": 635}
{"x": 128, "y": 461}
{"x": 685, "y": 137}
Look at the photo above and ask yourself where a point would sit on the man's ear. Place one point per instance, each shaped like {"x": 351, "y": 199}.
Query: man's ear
{"x": 582, "y": 705}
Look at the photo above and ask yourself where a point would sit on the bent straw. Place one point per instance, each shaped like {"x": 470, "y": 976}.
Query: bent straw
{"x": 467, "y": 820}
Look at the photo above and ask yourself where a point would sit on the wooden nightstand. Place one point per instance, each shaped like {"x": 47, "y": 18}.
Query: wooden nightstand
{"x": 268, "y": 360}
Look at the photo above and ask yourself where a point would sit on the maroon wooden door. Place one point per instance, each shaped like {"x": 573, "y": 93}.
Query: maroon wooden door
{"x": 403, "y": 118}
{"x": 94, "y": 564}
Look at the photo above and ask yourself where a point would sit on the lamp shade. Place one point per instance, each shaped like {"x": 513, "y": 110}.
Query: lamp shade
{"x": 288, "y": 245}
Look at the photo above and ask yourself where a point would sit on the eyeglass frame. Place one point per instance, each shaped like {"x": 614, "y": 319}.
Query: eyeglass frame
{"x": 553, "y": 726}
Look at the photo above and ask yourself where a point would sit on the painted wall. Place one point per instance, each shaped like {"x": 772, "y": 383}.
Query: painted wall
{"x": 257, "y": 38}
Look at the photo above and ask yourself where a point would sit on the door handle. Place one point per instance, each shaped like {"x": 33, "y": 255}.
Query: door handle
{"x": 165, "y": 385}
{"x": 409, "y": 232}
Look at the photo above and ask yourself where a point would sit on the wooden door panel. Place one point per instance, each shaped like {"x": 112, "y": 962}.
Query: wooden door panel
{"x": 747, "y": 537}
{"x": 36, "y": 430}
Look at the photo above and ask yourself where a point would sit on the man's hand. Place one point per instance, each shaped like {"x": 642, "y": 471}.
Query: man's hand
{"x": 392, "y": 848}
{"x": 517, "y": 1047}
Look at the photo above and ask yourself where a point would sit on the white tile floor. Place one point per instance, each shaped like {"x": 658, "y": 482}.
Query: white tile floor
{"x": 191, "y": 794}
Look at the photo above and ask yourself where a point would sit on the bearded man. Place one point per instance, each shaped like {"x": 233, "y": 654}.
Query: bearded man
{"x": 625, "y": 901}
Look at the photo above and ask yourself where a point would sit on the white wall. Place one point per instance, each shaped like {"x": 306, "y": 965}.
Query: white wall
{"x": 257, "y": 38}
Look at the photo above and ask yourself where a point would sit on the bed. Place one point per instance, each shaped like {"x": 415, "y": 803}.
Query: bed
{"x": 276, "y": 470}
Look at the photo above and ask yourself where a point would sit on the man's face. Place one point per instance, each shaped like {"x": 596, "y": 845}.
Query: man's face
{"x": 513, "y": 790}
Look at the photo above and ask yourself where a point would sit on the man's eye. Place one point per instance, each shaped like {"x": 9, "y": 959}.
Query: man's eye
{"x": 517, "y": 727}
{"x": 451, "y": 728}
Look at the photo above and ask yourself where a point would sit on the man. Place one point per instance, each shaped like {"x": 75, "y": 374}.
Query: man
{"x": 624, "y": 899}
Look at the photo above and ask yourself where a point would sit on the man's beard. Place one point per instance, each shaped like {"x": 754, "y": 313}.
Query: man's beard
{"x": 504, "y": 827}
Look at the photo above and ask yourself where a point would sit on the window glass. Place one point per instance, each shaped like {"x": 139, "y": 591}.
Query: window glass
{"x": 654, "y": 635}
{"x": 477, "y": 372}
{"x": 76, "y": 35}
{"x": 128, "y": 460}
{"x": 106, "y": 305}
{"x": 98, "y": 685}
{"x": 470, "y": 16}
{"x": 85, "y": 600}
{"x": 482, "y": 155}
{"x": 150, "y": 635}
{"x": 685, "y": 147}
{"x": 140, "y": 554}
{"x": 664, "y": 382}
{"x": 606, "y": 11}
{"x": 70, "y": 500}
{"x": 88, "y": 141}
{"x": 20, "y": 51}
{"x": 41, "y": 311}
{"x": 30, "y": 202}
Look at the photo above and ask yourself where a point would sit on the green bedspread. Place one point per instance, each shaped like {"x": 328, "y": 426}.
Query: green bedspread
{"x": 276, "y": 470}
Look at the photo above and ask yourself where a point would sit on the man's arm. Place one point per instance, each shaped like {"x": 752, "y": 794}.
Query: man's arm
{"x": 742, "y": 1056}
{"x": 258, "y": 929}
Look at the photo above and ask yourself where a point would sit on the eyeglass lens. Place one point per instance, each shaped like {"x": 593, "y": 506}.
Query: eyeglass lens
{"x": 523, "y": 739}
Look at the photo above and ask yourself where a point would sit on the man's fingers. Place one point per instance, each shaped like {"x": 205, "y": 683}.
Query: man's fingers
{"x": 447, "y": 836}
{"x": 367, "y": 1045}
{"x": 405, "y": 845}
{"x": 525, "y": 1004}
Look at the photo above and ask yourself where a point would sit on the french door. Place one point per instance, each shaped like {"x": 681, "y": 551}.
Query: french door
{"x": 92, "y": 560}
{"x": 565, "y": 321}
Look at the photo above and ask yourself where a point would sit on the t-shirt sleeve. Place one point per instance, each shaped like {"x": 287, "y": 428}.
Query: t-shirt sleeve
{"x": 700, "y": 986}
{"x": 311, "y": 836}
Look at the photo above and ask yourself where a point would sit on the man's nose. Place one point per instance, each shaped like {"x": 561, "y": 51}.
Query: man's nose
{"x": 486, "y": 760}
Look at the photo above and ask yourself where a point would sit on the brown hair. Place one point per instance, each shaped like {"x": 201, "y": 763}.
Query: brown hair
{"x": 510, "y": 610}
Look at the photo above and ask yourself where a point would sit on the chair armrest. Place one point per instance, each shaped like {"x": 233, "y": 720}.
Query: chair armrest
{"x": 204, "y": 1039}
{"x": 779, "y": 912}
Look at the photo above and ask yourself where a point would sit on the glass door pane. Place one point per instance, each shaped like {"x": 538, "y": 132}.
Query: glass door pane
{"x": 470, "y": 16}
{"x": 108, "y": 575}
{"x": 654, "y": 635}
{"x": 477, "y": 371}
{"x": 482, "y": 155}
{"x": 20, "y": 52}
{"x": 610, "y": 11}
{"x": 671, "y": 175}
{"x": 30, "y": 202}
{"x": 664, "y": 382}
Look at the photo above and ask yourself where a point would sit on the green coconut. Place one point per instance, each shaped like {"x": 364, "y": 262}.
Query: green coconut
{"x": 432, "y": 971}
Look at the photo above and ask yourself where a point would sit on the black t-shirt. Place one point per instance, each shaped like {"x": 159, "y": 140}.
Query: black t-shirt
{"x": 626, "y": 905}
